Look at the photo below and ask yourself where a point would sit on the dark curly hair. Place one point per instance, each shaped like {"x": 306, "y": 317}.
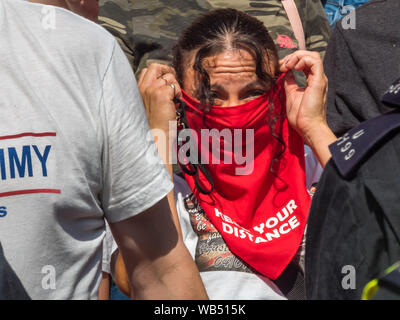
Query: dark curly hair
{"x": 220, "y": 30}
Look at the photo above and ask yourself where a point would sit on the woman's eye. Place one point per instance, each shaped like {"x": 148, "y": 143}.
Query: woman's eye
{"x": 255, "y": 93}
{"x": 214, "y": 95}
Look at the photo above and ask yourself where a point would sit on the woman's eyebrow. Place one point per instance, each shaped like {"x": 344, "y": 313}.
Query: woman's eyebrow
{"x": 256, "y": 83}
{"x": 217, "y": 86}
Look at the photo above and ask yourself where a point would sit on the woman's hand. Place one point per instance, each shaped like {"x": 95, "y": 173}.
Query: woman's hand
{"x": 158, "y": 87}
{"x": 306, "y": 107}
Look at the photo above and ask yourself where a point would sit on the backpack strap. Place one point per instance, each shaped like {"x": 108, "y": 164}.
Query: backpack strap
{"x": 295, "y": 21}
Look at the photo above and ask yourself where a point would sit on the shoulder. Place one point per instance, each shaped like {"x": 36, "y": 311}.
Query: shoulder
{"x": 378, "y": 7}
{"x": 370, "y": 19}
{"x": 353, "y": 148}
{"x": 375, "y": 14}
{"x": 59, "y": 29}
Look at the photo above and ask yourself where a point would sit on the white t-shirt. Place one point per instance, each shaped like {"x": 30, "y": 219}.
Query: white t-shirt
{"x": 224, "y": 275}
{"x": 109, "y": 247}
{"x": 75, "y": 148}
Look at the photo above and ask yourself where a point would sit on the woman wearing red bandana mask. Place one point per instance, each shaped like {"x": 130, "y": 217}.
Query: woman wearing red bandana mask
{"x": 243, "y": 219}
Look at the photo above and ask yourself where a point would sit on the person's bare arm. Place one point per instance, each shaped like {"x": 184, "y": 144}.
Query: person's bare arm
{"x": 105, "y": 286}
{"x": 158, "y": 265}
{"x": 154, "y": 85}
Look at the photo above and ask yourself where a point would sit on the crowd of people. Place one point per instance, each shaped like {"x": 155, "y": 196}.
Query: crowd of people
{"x": 198, "y": 149}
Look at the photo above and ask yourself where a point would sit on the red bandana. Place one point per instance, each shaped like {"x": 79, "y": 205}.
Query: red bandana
{"x": 259, "y": 206}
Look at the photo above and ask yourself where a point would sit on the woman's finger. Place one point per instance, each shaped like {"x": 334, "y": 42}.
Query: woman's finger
{"x": 292, "y": 59}
{"x": 290, "y": 83}
{"x": 299, "y": 54}
{"x": 171, "y": 81}
{"x": 141, "y": 76}
{"x": 154, "y": 72}
{"x": 311, "y": 66}
{"x": 291, "y": 89}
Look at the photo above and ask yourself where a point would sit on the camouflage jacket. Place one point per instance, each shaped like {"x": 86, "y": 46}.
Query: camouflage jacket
{"x": 147, "y": 30}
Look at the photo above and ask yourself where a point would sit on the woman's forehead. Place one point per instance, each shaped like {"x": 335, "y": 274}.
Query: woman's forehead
{"x": 233, "y": 61}
{"x": 229, "y": 68}
{"x": 230, "y": 61}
